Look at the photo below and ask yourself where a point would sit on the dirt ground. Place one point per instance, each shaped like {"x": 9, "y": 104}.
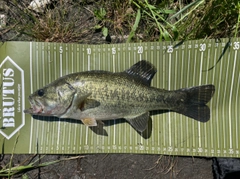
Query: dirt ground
{"x": 118, "y": 166}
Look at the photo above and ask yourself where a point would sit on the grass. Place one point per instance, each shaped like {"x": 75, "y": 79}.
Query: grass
{"x": 10, "y": 171}
{"x": 166, "y": 165}
{"x": 139, "y": 20}
{"x": 60, "y": 23}
{"x": 33, "y": 162}
{"x": 215, "y": 19}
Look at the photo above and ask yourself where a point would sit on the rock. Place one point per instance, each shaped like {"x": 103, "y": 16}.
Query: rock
{"x": 39, "y": 5}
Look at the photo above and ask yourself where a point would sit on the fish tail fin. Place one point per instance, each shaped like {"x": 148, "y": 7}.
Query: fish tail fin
{"x": 195, "y": 104}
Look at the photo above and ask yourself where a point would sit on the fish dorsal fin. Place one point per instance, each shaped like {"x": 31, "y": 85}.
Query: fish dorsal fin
{"x": 143, "y": 71}
{"x": 140, "y": 122}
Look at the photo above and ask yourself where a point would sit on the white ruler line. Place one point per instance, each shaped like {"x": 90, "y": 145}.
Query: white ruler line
{"x": 64, "y": 137}
{"x": 206, "y": 142}
{"x": 63, "y": 134}
{"x": 86, "y": 136}
{"x": 155, "y": 122}
{"x": 61, "y": 74}
{"x": 41, "y": 139}
{"x": 201, "y": 64}
{"x": 187, "y": 85}
{"x": 181, "y": 84}
{"x": 169, "y": 88}
{"x": 159, "y": 86}
{"x": 194, "y": 126}
{"x": 211, "y": 106}
{"x": 140, "y": 56}
{"x": 31, "y": 86}
{"x": 95, "y": 59}
{"x": 218, "y": 101}
{"x": 69, "y": 131}
{"x": 37, "y": 66}
{"x": 31, "y": 66}
{"x": 53, "y": 136}
{"x": 176, "y": 59}
{"x": 188, "y": 68}
{"x": 200, "y": 82}
{"x": 47, "y": 132}
{"x": 136, "y": 58}
{"x": 114, "y": 121}
{"x": 55, "y": 62}
{"x": 66, "y": 67}
{"x": 164, "y": 127}
{"x": 77, "y": 57}
{"x": 37, "y": 123}
{"x": 230, "y": 99}
{"x": 49, "y": 64}
{"x": 75, "y": 134}
{"x": 194, "y": 67}
{"x": 130, "y": 132}
{"x": 60, "y": 55}
{"x": 73, "y": 55}
{"x": 56, "y": 75}
{"x": 236, "y": 112}
{"x": 88, "y": 65}
{"x": 42, "y": 63}
{"x": 225, "y": 100}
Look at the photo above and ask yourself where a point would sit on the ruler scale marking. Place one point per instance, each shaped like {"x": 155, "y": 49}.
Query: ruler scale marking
{"x": 181, "y": 136}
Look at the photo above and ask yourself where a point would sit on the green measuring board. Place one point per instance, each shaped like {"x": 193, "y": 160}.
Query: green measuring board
{"x": 28, "y": 66}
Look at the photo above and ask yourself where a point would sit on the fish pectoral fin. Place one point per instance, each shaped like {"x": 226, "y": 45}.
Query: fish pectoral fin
{"x": 78, "y": 99}
{"x": 88, "y": 104}
{"x": 89, "y": 121}
{"x": 140, "y": 122}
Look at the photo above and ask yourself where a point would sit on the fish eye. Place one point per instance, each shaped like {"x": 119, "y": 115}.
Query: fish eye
{"x": 40, "y": 92}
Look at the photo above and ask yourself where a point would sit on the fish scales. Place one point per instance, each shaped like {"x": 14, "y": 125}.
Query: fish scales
{"x": 100, "y": 95}
{"x": 112, "y": 87}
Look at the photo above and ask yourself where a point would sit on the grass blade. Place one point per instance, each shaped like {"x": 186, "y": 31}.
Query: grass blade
{"x": 198, "y": 2}
{"x": 135, "y": 26}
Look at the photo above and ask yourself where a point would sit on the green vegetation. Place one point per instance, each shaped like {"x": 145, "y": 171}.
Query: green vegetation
{"x": 33, "y": 162}
{"x": 9, "y": 171}
{"x": 129, "y": 20}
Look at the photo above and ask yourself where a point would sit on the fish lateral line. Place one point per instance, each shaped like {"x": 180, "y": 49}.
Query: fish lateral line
{"x": 91, "y": 96}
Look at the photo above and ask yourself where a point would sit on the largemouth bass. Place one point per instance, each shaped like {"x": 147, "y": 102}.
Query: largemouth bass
{"x": 101, "y": 95}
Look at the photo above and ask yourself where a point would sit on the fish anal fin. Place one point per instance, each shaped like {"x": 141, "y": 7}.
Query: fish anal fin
{"x": 89, "y": 121}
{"x": 140, "y": 122}
{"x": 143, "y": 71}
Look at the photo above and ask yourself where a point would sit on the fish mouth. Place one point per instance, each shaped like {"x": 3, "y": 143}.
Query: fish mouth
{"x": 36, "y": 107}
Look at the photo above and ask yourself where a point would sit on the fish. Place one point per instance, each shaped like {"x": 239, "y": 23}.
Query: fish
{"x": 94, "y": 96}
